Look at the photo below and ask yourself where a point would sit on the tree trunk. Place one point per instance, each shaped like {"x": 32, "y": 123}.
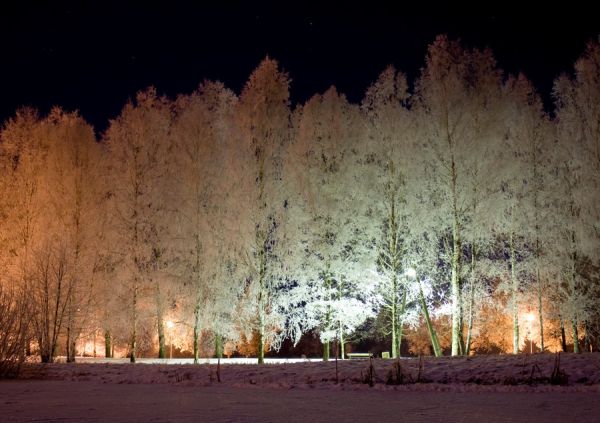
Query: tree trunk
{"x": 394, "y": 261}
{"x": 575, "y": 334}
{"x": 261, "y": 303}
{"x": 540, "y": 311}
{"x": 341, "y": 341}
{"x": 455, "y": 281}
{"x": 437, "y": 351}
{"x": 107, "y": 342}
{"x": 456, "y": 306}
{"x": 261, "y": 327}
{"x": 325, "y": 351}
{"x": 218, "y": 345}
{"x": 401, "y": 322}
{"x": 471, "y": 303}
{"x": 573, "y": 282}
{"x": 196, "y": 332}
{"x": 394, "y": 318}
{"x": 261, "y": 340}
{"x": 159, "y": 320}
{"x": 563, "y": 336}
{"x": 514, "y": 295}
{"x": 70, "y": 341}
{"x": 134, "y": 324}
{"x": 461, "y": 321}
{"x": 161, "y": 339}
{"x": 586, "y": 339}
{"x": 71, "y": 351}
{"x": 70, "y": 344}
{"x": 326, "y": 347}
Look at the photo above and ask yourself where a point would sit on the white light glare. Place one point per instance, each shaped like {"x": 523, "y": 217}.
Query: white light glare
{"x": 411, "y": 273}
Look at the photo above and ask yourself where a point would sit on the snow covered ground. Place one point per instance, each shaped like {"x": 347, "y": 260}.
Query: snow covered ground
{"x": 482, "y": 388}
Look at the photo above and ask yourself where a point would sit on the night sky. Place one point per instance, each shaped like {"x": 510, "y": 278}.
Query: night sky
{"x": 94, "y": 58}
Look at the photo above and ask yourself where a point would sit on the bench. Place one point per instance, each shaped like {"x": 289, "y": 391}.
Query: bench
{"x": 359, "y": 355}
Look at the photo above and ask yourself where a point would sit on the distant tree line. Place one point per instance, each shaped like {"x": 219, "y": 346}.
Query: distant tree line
{"x": 459, "y": 206}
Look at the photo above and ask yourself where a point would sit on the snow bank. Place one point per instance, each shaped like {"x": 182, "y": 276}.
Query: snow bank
{"x": 576, "y": 372}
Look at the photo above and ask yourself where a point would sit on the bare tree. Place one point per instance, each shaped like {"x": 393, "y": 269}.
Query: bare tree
{"x": 14, "y": 329}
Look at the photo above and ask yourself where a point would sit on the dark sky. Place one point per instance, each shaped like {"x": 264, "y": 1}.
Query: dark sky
{"x": 94, "y": 57}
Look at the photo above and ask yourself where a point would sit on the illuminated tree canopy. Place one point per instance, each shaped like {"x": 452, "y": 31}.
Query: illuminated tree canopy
{"x": 435, "y": 214}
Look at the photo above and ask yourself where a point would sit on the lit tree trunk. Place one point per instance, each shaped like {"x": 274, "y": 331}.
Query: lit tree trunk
{"x": 197, "y": 279}
{"x": 394, "y": 318}
{"x": 161, "y": 339}
{"x": 160, "y": 323}
{"x": 137, "y": 260}
{"x": 218, "y": 345}
{"x": 437, "y": 351}
{"x": 326, "y": 351}
{"x": 71, "y": 349}
{"x": 586, "y": 342}
{"x": 575, "y": 334}
{"x": 573, "y": 283}
{"x": 70, "y": 341}
{"x": 455, "y": 282}
{"x": 196, "y": 332}
{"x": 401, "y": 322}
{"x": 540, "y": 311}
{"x": 327, "y": 328}
{"x": 261, "y": 307}
{"x": 261, "y": 333}
{"x": 341, "y": 341}
{"x": 134, "y": 318}
{"x": 514, "y": 294}
{"x": 340, "y": 323}
{"x": 107, "y": 344}
{"x": 393, "y": 260}
{"x": 536, "y": 207}
{"x": 471, "y": 303}
{"x": 467, "y": 347}
{"x": 262, "y": 251}
{"x": 461, "y": 324}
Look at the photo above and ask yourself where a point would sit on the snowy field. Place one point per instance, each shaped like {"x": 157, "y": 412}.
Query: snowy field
{"x": 481, "y": 389}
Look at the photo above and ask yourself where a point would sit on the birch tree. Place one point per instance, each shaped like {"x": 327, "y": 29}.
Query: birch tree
{"x": 578, "y": 131}
{"x": 35, "y": 267}
{"x": 136, "y": 142}
{"x": 263, "y": 122}
{"x": 447, "y": 98}
{"x": 327, "y": 237}
{"x": 72, "y": 176}
{"x": 526, "y": 202}
{"x": 203, "y": 138}
{"x": 387, "y": 168}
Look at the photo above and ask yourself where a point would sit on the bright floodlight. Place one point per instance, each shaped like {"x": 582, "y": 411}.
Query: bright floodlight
{"x": 411, "y": 273}
{"x": 530, "y": 317}
{"x": 170, "y": 324}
